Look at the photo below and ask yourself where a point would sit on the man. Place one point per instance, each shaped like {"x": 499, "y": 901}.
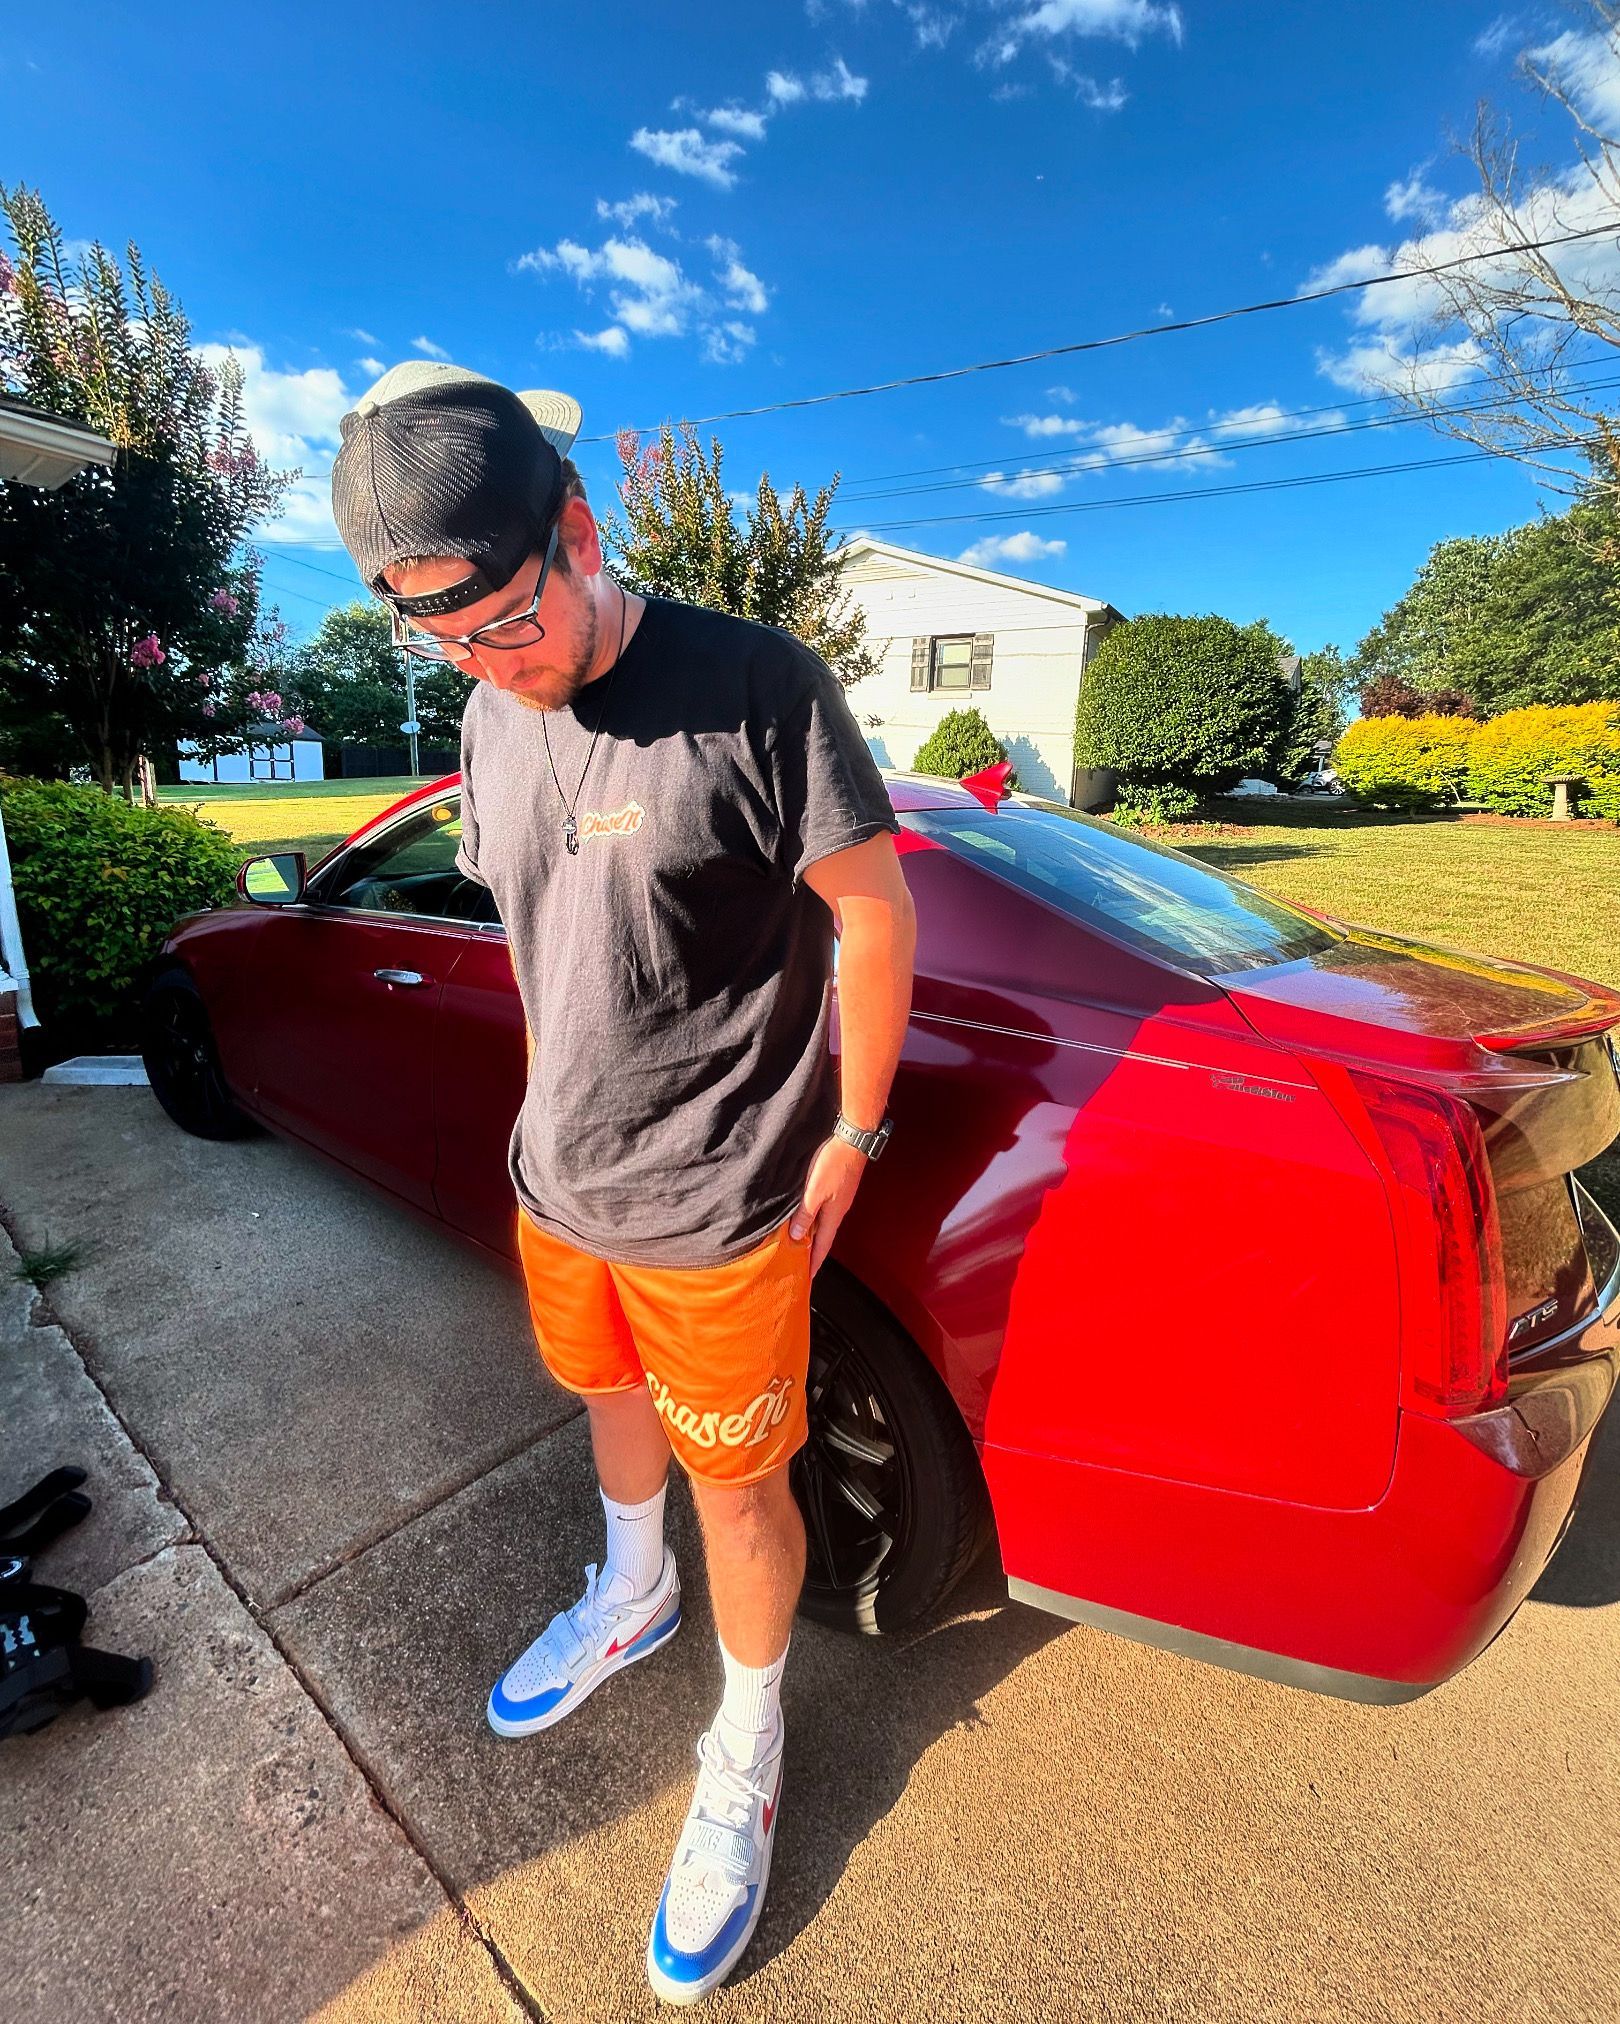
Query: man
{"x": 670, "y": 806}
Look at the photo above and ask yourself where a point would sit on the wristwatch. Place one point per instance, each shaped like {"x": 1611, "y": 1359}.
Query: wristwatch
{"x": 869, "y": 1142}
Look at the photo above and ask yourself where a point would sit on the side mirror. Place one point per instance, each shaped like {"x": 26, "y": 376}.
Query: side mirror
{"x": 274, "y": 881}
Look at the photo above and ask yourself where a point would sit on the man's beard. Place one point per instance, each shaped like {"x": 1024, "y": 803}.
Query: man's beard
{"x": 564, "y": 684}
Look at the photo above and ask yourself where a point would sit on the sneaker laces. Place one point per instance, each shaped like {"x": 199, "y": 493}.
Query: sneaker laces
{"x": 573, "y": 1632}
{"x": 716, "y": 1839}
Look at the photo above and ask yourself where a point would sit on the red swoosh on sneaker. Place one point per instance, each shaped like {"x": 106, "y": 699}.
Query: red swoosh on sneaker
{"x": 623, "y": 1644}
{"x": 770, "y": 1806}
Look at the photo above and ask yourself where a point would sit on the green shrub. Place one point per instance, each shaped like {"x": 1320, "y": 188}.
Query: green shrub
{"x": 1192, "y": 704}
{"x": 959, "y": 744}
{"x": 99, "y": 884}
{"x": 1136, "y": 804}
{"x": 1406, "y": 762}
{"x": 1512, "y": 754}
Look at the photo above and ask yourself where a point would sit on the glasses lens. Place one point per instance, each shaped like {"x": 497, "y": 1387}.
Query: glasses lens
{"x": 421, "y": 648}
{"x": 511, "y": 632}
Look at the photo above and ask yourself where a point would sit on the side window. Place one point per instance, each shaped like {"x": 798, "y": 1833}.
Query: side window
{"x": 952, "y": 661}
{"x": 411, "y": 869}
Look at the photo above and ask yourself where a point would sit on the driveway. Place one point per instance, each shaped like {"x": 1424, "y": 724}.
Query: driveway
{"x": 335, "y": 1495}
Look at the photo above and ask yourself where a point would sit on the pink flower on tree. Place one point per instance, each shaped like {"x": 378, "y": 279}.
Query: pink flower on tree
{"x": 293, "y": 726}
{"x": 147, "y": 653}
{"x": 205, "y": 680}
{"x": 265, "y": 701}
{"x": 222, "y": 600}
{"x": 208, "y": 706}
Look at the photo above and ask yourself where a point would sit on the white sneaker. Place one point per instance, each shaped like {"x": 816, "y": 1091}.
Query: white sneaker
{"x": 580, "y": 1648}
{"x": 715, "y": 1891}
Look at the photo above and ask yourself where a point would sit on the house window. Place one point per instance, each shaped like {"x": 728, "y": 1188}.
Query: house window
{"x": 952, "y": 661}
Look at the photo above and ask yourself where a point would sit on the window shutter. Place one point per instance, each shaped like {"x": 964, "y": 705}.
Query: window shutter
{"x": 979, "y": 673}
{"x": 919, "y": 663}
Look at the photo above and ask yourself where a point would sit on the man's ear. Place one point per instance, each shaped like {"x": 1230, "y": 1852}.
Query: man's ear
{"x": 578, "y": 532}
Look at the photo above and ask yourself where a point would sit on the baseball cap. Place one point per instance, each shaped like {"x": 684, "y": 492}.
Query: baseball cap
{"x": 438, "y": 460}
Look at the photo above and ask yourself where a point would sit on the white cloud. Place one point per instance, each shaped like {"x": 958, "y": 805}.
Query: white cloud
{"x": 364, "y": 337}
{"x": 651, "y": 295}
{"x": 1126, "y": 21}
{"x": 1499, "y": 36}
{"x": 614, "y": 341}
{"x": 373, "y": 366}
{"x": 1586, "y": 67}
{"x": 1360, "y": 263}
{"x": 743, "y": 289}
{"x": 428, "y": 348}
{"x": 1165, "y": 311}
{"x": 1263, "y": 418}
{"x": 1037, "y": 426}
{"x": 1031, "y": 485}
{"x": 1388, "y": 363}
{"x": 1110, "y": 97}
{"x": 727, "y": 343}
{"x": 932, "y": 26}
{"x": 840, "y": 82}
{"x": 738, "y": 120}
{"x": 293, "y": 418}
{"x": 1413, "y": 198}
{"x": 687, "y": 153}
{"x": 629, "y": 210}
{"x": 997, "y": 549}
{"x": 1120, "y": 442}
{"x": 1062, "y": 393}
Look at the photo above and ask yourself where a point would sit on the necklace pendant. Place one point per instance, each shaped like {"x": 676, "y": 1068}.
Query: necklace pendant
{"x": 571, "y": 836}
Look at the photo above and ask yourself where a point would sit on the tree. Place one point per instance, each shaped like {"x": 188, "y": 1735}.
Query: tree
{"x": 1526, "y": 318}
{"x": 959, "y": 744}
{"x": 1318, "y": 714}
{"x": 1185, "y": 704}
{"x": 1503, "y": 621}
{"x": 126, "y": 598}
{"x": 350, "y": 682}
{"x": 678, "y": 536}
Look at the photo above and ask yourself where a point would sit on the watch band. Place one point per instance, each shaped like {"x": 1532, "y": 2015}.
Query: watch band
{"x": 871, "y": 1143}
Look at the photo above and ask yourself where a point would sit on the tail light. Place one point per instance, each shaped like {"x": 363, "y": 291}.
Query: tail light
{"x": 1449, "y": 1245}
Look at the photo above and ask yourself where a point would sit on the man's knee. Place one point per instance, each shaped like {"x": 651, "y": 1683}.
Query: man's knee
{"x": 749, "y": 1515}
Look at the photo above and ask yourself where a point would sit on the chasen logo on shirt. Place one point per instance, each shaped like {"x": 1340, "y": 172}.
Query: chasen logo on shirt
{"x": 620, "y": 822}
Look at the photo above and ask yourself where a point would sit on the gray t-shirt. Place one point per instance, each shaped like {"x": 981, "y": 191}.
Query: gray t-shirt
{"x": 676, "y": 973}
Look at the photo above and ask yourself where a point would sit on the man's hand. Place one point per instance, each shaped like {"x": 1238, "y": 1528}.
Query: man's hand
{"x": 835, "y": 1174}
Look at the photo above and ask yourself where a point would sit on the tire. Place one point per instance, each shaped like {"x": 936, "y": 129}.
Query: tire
{"x": 894, "y": 1505}
{"x": 182, "y": 1062}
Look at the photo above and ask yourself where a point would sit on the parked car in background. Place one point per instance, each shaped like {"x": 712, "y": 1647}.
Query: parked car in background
{"x": 1228, "y": 1260}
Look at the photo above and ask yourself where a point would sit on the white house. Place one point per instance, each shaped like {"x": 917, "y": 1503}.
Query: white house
{"x": 948, "y": 636}
{"x": 266, "y": 758}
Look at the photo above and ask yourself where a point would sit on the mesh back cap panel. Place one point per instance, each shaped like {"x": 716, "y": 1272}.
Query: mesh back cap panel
{"x": 439, "y": 460}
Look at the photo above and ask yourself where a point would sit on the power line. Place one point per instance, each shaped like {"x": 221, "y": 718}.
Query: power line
{"x": 1205, "y": 448}
{"x": 1131, "y": 336}
{"x": 1168, "y": 498}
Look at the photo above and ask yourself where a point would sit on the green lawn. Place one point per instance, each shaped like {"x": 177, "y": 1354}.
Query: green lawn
{"x": 307, "y": 815}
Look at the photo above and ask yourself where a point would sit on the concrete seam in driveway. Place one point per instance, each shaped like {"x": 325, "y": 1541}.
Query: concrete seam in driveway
{"x": 516, "y": 1988}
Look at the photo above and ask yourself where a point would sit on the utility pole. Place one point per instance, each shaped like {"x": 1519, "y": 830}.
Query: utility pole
{"x": 410, "y": 726}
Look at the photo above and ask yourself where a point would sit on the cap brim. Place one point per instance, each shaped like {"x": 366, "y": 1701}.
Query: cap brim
{"x": 559, "y": 416}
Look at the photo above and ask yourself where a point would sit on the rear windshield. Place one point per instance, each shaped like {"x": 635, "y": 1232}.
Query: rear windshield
{"x": 1140, "y": 892}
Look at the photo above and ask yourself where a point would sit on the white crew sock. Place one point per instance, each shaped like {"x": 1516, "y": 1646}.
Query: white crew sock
{"x": 751, "y": 1710}
{"x": 635, "y": 1545}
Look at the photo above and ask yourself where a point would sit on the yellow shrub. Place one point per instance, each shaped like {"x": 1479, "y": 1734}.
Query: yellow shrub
{"x": 1513, "y": 753}
{"x": 1406, "y": 762}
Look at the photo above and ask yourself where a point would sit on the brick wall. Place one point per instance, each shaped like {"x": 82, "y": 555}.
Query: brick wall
{"x": 10, "y": 1057}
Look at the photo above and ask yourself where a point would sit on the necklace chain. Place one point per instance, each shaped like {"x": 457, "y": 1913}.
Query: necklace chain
{"x": 570, "y": 824}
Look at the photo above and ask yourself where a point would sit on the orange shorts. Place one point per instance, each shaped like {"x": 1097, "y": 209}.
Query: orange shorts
{"x": 723, "y": 1349}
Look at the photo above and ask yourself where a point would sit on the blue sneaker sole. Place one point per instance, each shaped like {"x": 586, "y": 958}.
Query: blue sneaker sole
{"x": 531, "y": 1725}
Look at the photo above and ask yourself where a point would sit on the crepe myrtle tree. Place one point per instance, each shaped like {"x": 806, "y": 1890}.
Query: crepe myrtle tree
{"x": 680, "y": 533}
{"x": 129, "y": 604}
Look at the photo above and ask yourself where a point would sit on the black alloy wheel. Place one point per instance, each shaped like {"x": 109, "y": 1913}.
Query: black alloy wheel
{"x": 182, "y": 1063}
{"x": 894, "y": 1506}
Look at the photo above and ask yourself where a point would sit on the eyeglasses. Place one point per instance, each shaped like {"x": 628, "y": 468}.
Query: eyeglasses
{"x": 522, "y": 629}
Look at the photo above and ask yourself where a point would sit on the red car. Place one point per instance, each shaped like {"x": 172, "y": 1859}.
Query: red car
{"x": 1228, "y": 1262}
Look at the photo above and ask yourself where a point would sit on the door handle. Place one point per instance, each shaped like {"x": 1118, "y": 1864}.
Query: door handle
{"x": 400, "y": 976}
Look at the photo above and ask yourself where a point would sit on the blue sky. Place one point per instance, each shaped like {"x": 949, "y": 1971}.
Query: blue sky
{"x": 678, "y": 212}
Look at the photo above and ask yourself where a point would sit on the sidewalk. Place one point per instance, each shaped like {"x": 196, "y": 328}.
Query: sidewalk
{"x": 335, "y": 1494}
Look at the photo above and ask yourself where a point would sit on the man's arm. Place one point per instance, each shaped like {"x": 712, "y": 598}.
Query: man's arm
{"x": 868, "y": 894}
